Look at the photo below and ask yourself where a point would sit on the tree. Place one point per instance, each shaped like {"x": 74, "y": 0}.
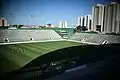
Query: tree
{"x": 80, "y": 29}
{"x": 4, "y": 27}
{"x": 19, "y": 26}
{"x": 15, "y": 25}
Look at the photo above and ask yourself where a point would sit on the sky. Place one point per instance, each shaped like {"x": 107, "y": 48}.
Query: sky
{"x": 41, "y": 12}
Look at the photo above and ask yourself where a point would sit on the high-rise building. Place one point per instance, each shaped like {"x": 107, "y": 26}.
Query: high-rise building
{"x": 87, "y": 22}
{"x": 3, "y": 22}
{"x": 97, "y": 17}
{"x": 81, "y": 21}
{"x": 112, "y": 18}
{"x": 60, "y": 24}
{"x": 118, "y": 18}
{"x": 63, "y": 24}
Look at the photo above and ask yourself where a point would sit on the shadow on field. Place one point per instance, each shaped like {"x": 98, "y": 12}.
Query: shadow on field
{"x": 86, "y": 53}
{"x": 42, "y": 67}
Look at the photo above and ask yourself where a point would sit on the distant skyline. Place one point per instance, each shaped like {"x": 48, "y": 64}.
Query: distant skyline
{"x": 46, "y": 11}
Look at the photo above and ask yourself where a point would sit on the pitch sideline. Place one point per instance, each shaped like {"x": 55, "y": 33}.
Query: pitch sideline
{"x": 31, "y": 41}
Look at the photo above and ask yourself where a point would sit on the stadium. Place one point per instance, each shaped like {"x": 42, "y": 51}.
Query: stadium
{"x": 28, "y": 44}
{"x": 23, "y": 48}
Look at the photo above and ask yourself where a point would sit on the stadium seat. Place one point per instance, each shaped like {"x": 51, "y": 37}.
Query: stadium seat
{"x": 96, "y": 38}
{"x": 28, "y": 35}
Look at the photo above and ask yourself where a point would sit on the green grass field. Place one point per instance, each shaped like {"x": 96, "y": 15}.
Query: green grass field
{"x": 14, "y": 56}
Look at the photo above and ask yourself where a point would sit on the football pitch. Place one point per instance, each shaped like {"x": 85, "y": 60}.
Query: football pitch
{"x": 14, "y": 56}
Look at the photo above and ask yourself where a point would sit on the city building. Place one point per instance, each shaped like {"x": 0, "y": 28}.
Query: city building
{"x": 81, "y": 21}
{"x": 3, "y": 22}
{"x": 106, "y": 18}
{"x": 112, "y": 18}
{"x": 87, "y": 22}
{"x": 97, "y": 17}
{"x": 63, "y": 24}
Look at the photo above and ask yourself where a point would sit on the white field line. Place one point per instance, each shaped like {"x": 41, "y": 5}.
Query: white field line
{"x": 31, "y": 41}
{"x": 47, "y": 41}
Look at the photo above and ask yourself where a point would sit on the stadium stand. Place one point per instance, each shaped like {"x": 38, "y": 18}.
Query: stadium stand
{"x": 79, "y": 36}
{"x": 27, "y": 35}
{"x": 96, "y": 38}
{"x": 115, "y": 39}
